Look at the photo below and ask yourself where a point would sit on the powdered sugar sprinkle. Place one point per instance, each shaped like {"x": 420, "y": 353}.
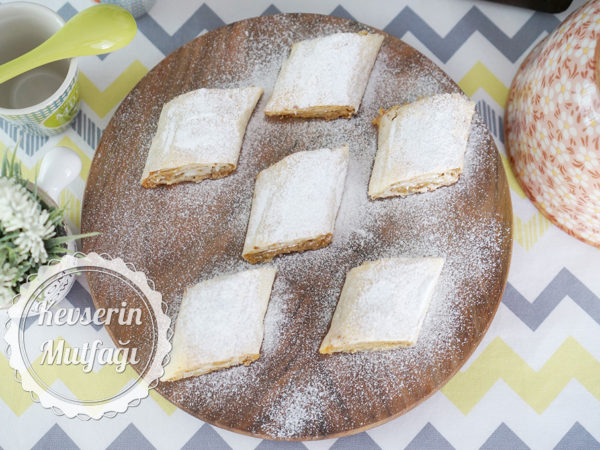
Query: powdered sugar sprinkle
{"x": 292, "y": 391}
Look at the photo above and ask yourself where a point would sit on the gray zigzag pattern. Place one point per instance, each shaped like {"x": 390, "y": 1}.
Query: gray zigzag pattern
{"x": 578, "y": 438}
{"x": 360, "y": 441}
{"x": 204, "y": 18}
{"x": 474, "y": 20}
{"x": 428, "y": 437}
{"x": 87, "y": 129}
{"x": 564, "y": 284}
{"x": 130, "y": 438}
{"x": 272, "y": 9}
{"x": 55, "y": 437}
{"x": 206, "y": 437}
{"x": 491, "y": 119}
{"x": 30, "y": 143}
{"x": 504, "y": 438}
{"x": 340, "y": 11}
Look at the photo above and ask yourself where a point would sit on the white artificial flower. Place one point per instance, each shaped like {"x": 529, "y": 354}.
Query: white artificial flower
{"x": 31, "y": 244}
{"x": 20, "y": 212}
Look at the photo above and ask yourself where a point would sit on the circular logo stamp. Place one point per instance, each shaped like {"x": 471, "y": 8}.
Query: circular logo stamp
{"x": 84, "y": 361}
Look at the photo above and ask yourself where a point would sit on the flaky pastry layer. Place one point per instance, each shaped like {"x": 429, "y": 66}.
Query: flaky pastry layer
{"x": 363, "y": 347}
{"x": 212, "y": 367}
{"x": 191, "y": 172}
{"x": 421, "y": 184}
{"x": 317, "y": 112}
{"x": 268, "y": 254}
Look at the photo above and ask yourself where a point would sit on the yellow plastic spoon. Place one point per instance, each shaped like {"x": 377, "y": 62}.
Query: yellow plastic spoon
{"x": 95, "y": 30}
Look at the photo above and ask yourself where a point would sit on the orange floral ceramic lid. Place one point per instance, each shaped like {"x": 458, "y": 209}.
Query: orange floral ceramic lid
{"x": 553, "y": 125}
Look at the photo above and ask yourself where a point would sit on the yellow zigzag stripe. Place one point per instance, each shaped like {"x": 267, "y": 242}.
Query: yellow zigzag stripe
{"x": 72, "y": 206}
{"x": 29, "y": 173}
{"x": 481, "y": 77}
{"x": 528, "y": 233}
{"x": 10, "y": 390}
{"x": 537, "y": 389}
{"x": 82, "y": 385}
{"x": 104, "y": 101}
{"x": 512, "y": 181}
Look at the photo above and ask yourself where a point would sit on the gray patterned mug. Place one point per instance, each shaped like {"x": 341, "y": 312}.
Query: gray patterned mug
{"x": 44, "y": 100}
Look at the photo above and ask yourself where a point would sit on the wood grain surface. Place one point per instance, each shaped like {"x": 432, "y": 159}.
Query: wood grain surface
{"x": 182, "y": 234}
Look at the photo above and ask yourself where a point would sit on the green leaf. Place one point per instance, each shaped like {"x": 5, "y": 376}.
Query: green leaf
{"x": 10, "y": 236}
{"x": 64, "y": 239}
{"x": 10, "y": 167}
{"x": 57, "y": 251}
{"x": 56, "y": 216}
{"x": 4, "y": 172}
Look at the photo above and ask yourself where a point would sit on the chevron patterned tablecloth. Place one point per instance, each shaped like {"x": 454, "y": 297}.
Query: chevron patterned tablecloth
{"x": 534, "y": 382}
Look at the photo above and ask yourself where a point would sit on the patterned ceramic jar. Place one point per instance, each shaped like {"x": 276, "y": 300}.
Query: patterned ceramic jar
{"x": 552, "y": 130}
{"x": 43, "y": 100}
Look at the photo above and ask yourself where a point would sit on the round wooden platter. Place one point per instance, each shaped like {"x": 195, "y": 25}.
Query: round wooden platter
{"x": 182, "y": 234}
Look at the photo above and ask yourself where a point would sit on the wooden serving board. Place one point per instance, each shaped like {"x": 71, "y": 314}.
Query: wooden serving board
{"x": 182, "y": 234}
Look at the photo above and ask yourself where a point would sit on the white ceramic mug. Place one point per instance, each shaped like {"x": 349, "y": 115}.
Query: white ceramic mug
{"x": 44, "y": 100}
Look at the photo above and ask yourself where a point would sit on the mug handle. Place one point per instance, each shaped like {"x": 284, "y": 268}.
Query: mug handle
{"x": 59, "y": 168}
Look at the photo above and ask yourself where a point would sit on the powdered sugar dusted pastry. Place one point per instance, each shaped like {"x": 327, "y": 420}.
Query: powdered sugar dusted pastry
{"x": 382, "y": 305}
{"x": 325, "y": 77}
{"x": 421, "y": 146}
{"x": 295, "y": 204}
{"x": 199, "y": 135}
{"x": 220, "y": 323}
